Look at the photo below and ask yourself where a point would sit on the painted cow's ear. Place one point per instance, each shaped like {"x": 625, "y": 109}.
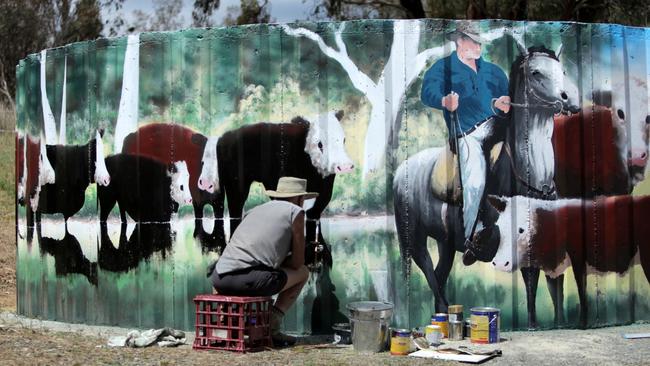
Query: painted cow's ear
{"x": 198, "y": 139}
{"x": 602, "y": 97}
{"x": 497, "y": 202}
{"x": 339, "y": 114}
{"x": 300, "y": 121}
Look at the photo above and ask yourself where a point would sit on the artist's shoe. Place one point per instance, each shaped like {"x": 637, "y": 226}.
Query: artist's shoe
{"x": 279, "y": 339}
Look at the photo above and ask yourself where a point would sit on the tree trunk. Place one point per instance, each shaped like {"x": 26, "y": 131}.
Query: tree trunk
{"x": 62, "y": 120}
{"x": 49, "y": 125}
{"x": 127, "y": 114}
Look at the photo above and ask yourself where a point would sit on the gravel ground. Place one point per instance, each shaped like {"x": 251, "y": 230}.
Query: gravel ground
{"x": 28, "y": 342}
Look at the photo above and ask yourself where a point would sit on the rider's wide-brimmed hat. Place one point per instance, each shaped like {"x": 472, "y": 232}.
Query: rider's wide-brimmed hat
{"x": 291, "y": 187}
{"x": 468, "y": 29}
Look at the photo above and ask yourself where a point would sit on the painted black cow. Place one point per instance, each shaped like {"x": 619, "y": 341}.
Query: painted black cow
{"x": 75, "y": 167}
{"x": 312, "y": 149}
{"x": 146, "y": 189}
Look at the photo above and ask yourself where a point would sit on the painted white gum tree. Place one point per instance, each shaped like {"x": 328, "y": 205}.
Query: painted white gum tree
{"x": 49, "y": 124}
{"x": 385, "y": 94}
{"x": 62, "y": 120}
{"x": 127, "y": 114}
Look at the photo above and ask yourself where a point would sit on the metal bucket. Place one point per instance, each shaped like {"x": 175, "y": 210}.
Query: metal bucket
{"x": 369, "y": 321}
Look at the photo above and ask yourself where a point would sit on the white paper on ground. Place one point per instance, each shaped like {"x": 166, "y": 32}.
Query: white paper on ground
{"x": 636, "y": 335}
{"x": 429, "y": 353}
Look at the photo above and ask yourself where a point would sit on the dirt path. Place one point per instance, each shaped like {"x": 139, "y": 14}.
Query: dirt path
{"x": 26, "y": 341}
{"x": 7, "y": 265}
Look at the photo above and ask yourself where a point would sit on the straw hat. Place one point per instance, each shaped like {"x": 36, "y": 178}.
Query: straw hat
{"x": 291, "y": 187}
{"x": 468, "y": 29}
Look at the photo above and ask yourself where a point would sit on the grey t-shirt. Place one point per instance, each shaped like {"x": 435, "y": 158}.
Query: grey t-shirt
{"x": 263, "y": 237}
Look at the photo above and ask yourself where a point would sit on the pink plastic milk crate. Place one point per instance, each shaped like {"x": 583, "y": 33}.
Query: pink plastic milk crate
{"x": 232, "y": 323}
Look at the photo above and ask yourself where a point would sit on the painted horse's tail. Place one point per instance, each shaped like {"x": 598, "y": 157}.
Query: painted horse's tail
{"x": 401, "y": 207}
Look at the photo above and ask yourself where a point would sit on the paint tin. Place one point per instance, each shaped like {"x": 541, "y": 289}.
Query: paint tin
{"x": 455, "y": 330}
{"x": 400, "y": 342}
{"x": 455, "y": 312}
{"x": 433, "y": 334}
{"x": 468, "y": 328}
{"x": 486, "y": 323}
{"x": 417, "y": 332}
{"x": 441, "y": 319}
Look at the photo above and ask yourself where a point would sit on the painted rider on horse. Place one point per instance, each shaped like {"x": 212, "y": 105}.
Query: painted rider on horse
{"x": 470, "y": 91}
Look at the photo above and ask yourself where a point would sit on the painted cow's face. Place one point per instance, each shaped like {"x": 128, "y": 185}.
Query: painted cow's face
{"x": 101, "y": 173}
{"x": 629, "y": 101}
{"x": 180, "y": 185}
{"x": 22, "y": 169}
{"x": 514, "y": 229}
{"x": 548, "y": 80}
{"x": 209, "y": 178}
{"x": 326, "y": 144}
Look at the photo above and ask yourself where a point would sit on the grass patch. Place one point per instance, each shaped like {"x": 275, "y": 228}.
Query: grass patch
{"x": 7, "y": 165}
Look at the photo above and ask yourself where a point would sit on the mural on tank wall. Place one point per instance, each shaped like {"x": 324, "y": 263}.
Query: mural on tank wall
{"x": 137, "y": 156}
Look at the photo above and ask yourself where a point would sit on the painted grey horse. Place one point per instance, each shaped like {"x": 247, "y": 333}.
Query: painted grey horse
{"x": 525, "y": 166}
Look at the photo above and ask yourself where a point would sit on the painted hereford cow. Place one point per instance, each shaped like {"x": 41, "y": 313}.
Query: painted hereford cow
{"x": 313, "y": 149}
{"x": 590, "y": 154}
{"x": 170, "y": 143}
{"x": 628, "y": 99}
{"x": 146, "y": 189}
{"x": 605, "y": 234}
{"x": 33, "y": 170}
{"x": 75, "y": 167}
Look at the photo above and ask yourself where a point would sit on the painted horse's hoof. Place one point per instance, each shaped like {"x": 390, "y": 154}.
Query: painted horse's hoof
{"x": 468, "y": 258}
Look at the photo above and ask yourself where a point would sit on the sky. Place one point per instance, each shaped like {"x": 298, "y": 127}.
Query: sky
{"x": 281, "y": 10}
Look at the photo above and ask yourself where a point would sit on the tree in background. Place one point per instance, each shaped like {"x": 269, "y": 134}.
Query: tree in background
{"x": 202, "y": 12}
{"x": 29, "y": 26}
{"x": 630, "y": 12}
{"x": 248, "y": 12}
{"x": 165, "y": 17}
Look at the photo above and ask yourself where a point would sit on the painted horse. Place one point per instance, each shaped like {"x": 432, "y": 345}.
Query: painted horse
{"x": 524, "y": 166}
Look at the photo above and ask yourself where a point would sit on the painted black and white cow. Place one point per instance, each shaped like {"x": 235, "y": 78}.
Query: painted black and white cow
{"x": 75, "y": 167}
{"x": 146, "y": 189}
{"x": 312, "y": 149}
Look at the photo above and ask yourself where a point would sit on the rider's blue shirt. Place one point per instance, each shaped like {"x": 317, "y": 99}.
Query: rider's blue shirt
{"x": 475, "y": 89}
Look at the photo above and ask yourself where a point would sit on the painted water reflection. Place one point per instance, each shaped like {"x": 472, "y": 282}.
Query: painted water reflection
{"x": 145, "y": 275}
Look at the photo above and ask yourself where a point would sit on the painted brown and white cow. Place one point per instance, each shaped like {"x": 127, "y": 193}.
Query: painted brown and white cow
{"x": 75, "y": 167}
{"x": 590, "y": 154}
{"x": 628, "y": 100}
{"x": 33, "y": 171}
{"x": 170, "y": 143}
{"x": 310, "y": 148}
{"x": 603, "y": 234}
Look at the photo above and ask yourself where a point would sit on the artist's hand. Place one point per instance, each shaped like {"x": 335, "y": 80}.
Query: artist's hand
{"x": 450, "y": 101}
{"x": 502, "y": 103}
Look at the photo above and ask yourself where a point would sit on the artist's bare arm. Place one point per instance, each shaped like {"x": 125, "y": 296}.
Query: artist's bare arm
{"x": 297, "y": 258}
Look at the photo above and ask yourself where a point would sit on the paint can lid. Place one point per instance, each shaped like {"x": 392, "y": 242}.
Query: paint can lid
{"x": 455, "y": 309}
{"x": 401, "y": 332}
